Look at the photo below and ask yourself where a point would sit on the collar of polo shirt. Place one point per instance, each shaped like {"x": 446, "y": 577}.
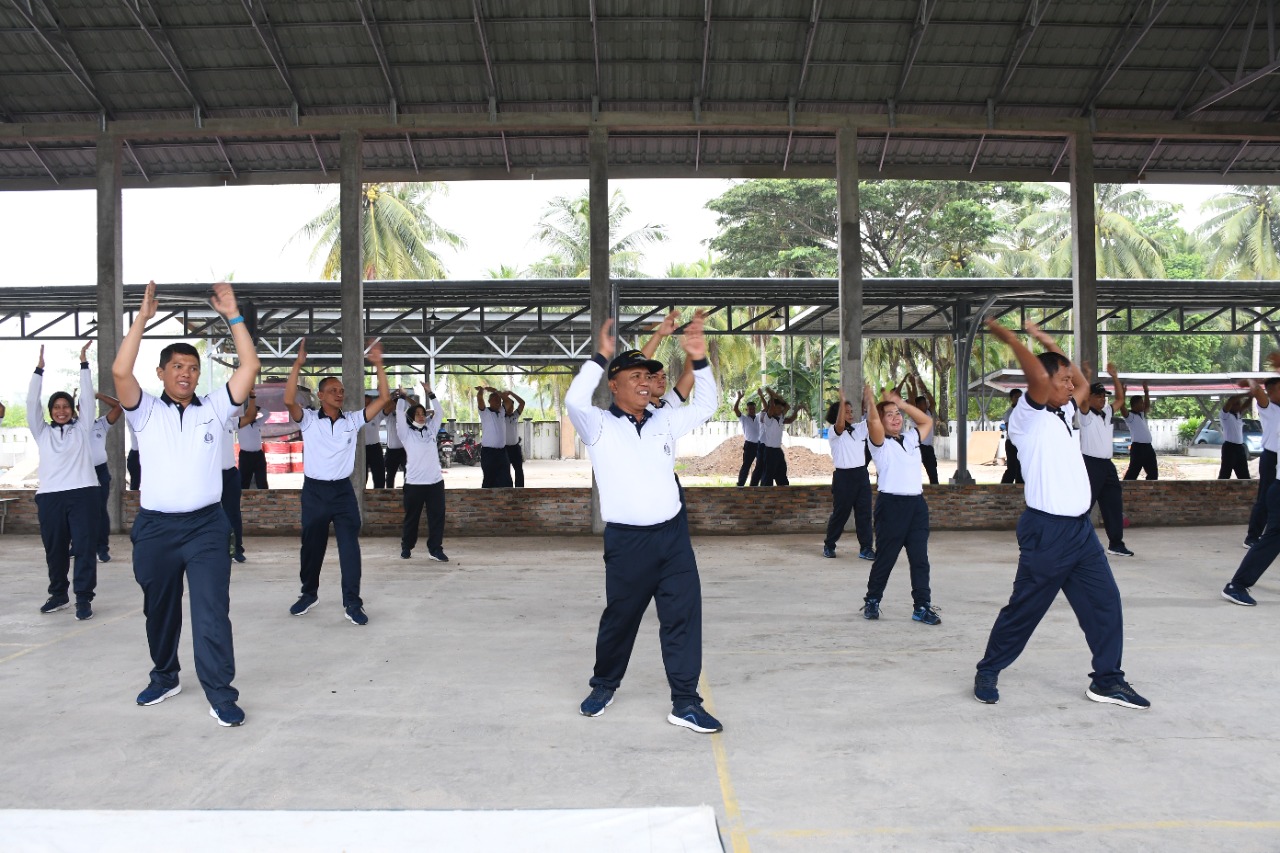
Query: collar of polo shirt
{"x": 619, "y": 413}
{"x": 169, "y": 401}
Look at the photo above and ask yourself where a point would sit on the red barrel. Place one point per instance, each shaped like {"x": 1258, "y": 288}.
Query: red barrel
{"x": 277, "y": 453}
{"x": 295, "y": 457}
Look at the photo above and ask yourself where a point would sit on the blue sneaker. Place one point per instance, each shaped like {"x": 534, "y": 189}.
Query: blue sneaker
{"x": 1249, "y": 543}
{"x": 594, "y": 705}
{"x": 303, "y": 604}
{"x": 405, "y": 553}
{"x": 1119, "y": 694}
{"x": 356, "y": 614}
{"x": 438, "y": 556}
{"x": 239, "y": 558}
{"x": 104, "y": 556}
{"x": 55, "y": 604}
{"x": 871, "y": 609}
{"x": 828, "y": 551}
{"x": 984, "y": 688}
{"x": 693, "y": 717}
{"x": 155, "y": 694}
{"x": 924, "y": 613}
{"x": 867, "y": 553}
{"x": 84, "y": 610}
{"x": 1238, "y": 595}
{"x": 227, "y": 714}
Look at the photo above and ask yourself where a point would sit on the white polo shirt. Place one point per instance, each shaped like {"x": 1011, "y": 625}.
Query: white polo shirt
{"x": 511, "y": 427}
{"x": 371, "y": 436}
{"x": 849, "y": 448}
{"x": 330, "y": 445}
{"x": 251, "y": 436}
{"x": 1096, "y": 432}
{"x": 393, "y": 434}
{"x": 1138, "y": 427}
{"x": 634, "y": 460}
{"x": 66, "y": 459}
{"x": 422, "y": 457}
{"x": 1269, "y": 417}
{"x": 183, "y": 450}
{"x": 1232, "y": 428}
{"x": 98, "y": 441}
{"x": 750, "y": 427}
{"x": 927, "y": 441}
{"x": 771, "y": 430}
{"x": 1052, "y": 465}
{"x": 228, "y": 442}
{"x": 898, "y": 469}
{"x": 493, "y": 429}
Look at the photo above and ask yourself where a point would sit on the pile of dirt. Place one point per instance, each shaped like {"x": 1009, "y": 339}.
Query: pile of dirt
{"x": 726, "y": 459}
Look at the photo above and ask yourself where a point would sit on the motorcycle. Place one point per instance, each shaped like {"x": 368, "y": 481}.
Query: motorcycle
{"x": 444, "y": 445}
{"x": 466, "y": 451}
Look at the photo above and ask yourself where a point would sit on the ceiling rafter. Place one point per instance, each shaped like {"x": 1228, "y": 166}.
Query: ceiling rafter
{"x": 159, "y": 38}
{"x": 923, "y": 12}
{"x": 706, "y": 50}
{"x": 45, "y": 165}
{"x": 595, "y": 45}
{"x": 1036, "y": 10}
{"x": 55, "y": 39}
{"x": 370, "y": 22}
{"x": 1206, "y": 64}
{"x": 225, "y": 158}
{"x": 1125, "y": 45}
{"x": 814, "y": 15}
{"x": 257, "y": 12}
{"x": 484, "y": 52}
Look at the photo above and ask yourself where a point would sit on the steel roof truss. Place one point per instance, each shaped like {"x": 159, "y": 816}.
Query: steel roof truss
{"x": 159, "y": 39}
{"x": 1030, "y": 24}
{"x": 1123, "y": 49}
{"x": 257, "y": 11}
{"x": 923, "y": 12}
{"x": 1160, "y": 315}
{"x": 370, "y": 22}
{"x": 56, "y": 40}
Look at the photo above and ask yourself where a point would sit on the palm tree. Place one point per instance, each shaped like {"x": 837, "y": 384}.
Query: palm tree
{"x": 1242, "y": 237}
{"x": 565, "y": 228}
{"x": 1124, "y": 248}
{"x": 396, "y": 233}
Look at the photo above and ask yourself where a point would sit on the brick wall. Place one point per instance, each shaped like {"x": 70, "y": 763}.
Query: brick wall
{"x": 794, "y": 509}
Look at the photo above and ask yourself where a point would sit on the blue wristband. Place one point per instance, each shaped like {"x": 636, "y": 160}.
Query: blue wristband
{"x": 236, "y": 319}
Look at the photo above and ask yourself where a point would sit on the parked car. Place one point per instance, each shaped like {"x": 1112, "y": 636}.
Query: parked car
{"x": 276, "y": 423}
{"x": 1120, "y": 437}
{"x": 1211, "y": 433}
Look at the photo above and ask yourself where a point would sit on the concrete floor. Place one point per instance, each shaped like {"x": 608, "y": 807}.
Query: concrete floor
{"x": 839, "y": 734}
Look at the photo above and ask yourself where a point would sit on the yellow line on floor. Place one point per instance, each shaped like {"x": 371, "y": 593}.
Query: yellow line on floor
{"x": 88, "y": 625}
{"x": 732, "y": 813}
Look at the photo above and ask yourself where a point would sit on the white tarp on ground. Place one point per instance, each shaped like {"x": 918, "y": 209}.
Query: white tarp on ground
{"x": 657, "y": 830}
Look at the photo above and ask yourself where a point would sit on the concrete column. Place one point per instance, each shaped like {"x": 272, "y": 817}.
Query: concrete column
{"x": 1084, "y": 253}
{"x": 850, "y": 267}
{"x": 351, "y": 191}
{"x": 601, "y": 286}
{"x": 110, "y": 307}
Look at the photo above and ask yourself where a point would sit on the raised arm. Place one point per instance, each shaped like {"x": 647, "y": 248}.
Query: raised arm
{"x": 1146, "y": 399}
{"x": 841, "y": 421}
{"x": 291, "y": 384}
{"x": 87, "y": 394}
{"x": 374, "y": 406}
{"x": 35, "y": 390}
{"x": 665, "y": 328}
{"x": 481, "y": 405}
{"x": 519, "y": 405}
{"x": 586, "y": 418}
{"x": 1081, "y": 395}
{"x": 705, "y": 400}
{"x": 128, "y": 391}
{"x": 736, "y": 403}
{"x": 922, "y": 390}
{"x": 240, "y": 385}
{"x": 919, "y": 417}
{"x": 1117, "y": 385}
{"x": 1037, "y": 376}
{"x": 114, "y": 409}
{"x": 800, "y": 407}
{"x": 684, "y": 385}
{"x": 875, "y": 426}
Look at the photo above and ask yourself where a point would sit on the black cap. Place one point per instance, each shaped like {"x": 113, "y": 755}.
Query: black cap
{"x": 1098, "y": 388}
{"x": 632, "y": 358}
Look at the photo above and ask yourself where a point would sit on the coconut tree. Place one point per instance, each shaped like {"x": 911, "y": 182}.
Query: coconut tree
{"x": 1124, "y": 248}
{"x": 397, "y": 233}
{"x": 1241, "y": 238}
{"x": 565, "y": 229}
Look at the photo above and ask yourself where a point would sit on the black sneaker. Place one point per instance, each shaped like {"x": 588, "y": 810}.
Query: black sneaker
{"x": 84, "y": 610}
{"x": 1238, "y": 595}
{"x": 1120, "y": 694}
{"x": 867, "y": 553}
{"x": 438, "y": 556}
{"x": 594, "y": 705}
{"x": 227, "y": 714}
{"x": 924, "y": 613}
{"x": 155, "y": 694}
{"x": 239, "y": 558}
{"x": 356, "y": 614}
{"x": 104, "y": 556}
{"x": 1119, "y": 551}
{"x": 984, "y": 688}
{"x": 303, "y": 604}
{"x": 871, "y": 609}
{"x": 54, "y": 604}
{"x": 695, "y": 718}
{"x": 404, "y": 553}
{"x": 1249, "y": 543}
{"x": 828, "y": 551}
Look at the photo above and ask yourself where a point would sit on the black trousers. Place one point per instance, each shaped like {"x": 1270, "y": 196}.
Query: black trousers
{"x": 643, "y": 564}
{"x": 515, "y": 460}
{"x": 395, "y": 459}
{"x": 902, "y": 521}
{"x": 253, "y": 469}
{"x": 930, "y": 461}
{"x": 133, "y": 464}
{"x": 231, "y": 505}
{"x": 1012, "y": 466}
{"x": 850, "y": 493}
{"x": 326, "y": 502}
{"x": 1060, "y": 553}
{"x": 775, "y": 467}
{"x": 104, "y": 517}
{"x": 1105, "y": 491}
{"x": 1235, "y": 460}
{"x": 762, "y": 462}
{"x": 1142, "y": 457}
{"x": 750, "y": 452}
{"x": 374, "y": 464}
{"x": 415, "y": 498}
{"x": 495, "y": 469}
{"x": 1264, "y": 551}
{"x": 1266, "y": 476}
{"x": 69, "y": 528}
{"x": 167, "y": 546}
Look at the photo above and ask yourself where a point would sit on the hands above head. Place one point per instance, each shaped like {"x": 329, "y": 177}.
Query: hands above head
{"x": 224, "y": 300}
{"x": 605, "y": 343}
{"x": 84, "y": 351}
{"x": 668, "y": 324}
{"x": 1273, "y": 359}
{"x": 373, "y": 352}
{"x": 426, "y": 389}
{"x": 889, "y": 395}
{"x": 694, "y": 341}
{"x": 301, "y": 358}
{"x": 147, "y": 310}
{"x": 40, "y": 361}
{"x": 1111, "y": 368}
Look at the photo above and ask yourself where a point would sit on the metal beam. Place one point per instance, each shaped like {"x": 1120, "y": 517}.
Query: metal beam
{"x": 484, "y": 49}
{"x": 257, "y": 11}
{"x": 1206, "y": 64}
{"x": 370, "y": 22}
{"x": 595, "y": 45}
{"x": 1035, "y": 13}
{"x": 814, "y": 14}
{"x": 913, "y": 45}
{"x": 1123, "y": 49}
{"x": 55, "y": 39}
{"x": 159, "y": 39}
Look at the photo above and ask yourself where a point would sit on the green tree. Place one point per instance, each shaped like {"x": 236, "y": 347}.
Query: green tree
{"x": 1241, "y": 238}
{"x": 1124, "y": 247}
{"x": 565, "y": 228}
{"x": 397, "y": 234}
{"x": 776, "y": 228}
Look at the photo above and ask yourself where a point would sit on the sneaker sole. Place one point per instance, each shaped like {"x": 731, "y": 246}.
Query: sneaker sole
{"x": 1119, "y": 553}
{"x": 597, "y": 713}
{"x": 1238, "y": 601}
{"x": 55, "y": 609}
{"x": 694, "y": 727}
{"x": 985, "y": 702}
{"x": 222, "y": 722}
{"x": 306, "y": 611}
{"x": 871, "y": 618}
{"x": 163, "y": 696}
{"x": 354, "y": 622}
{"x": 1111, "y": 700}
{"x": 84, "y": 618}
{"x": 1246, "y": 545}
{"x": 868, "y": 559}
{"x": 437, "y": 559}
{"x": 922, "y": 622}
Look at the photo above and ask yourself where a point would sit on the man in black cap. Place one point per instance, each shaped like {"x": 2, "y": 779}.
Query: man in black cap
{"x": 1095, "y": 445}
{"x": 647, "y": 552}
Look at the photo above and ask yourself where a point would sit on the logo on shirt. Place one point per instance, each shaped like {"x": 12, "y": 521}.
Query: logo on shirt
{"x": 666, "y": 448}
{"x": 208, "y": 438}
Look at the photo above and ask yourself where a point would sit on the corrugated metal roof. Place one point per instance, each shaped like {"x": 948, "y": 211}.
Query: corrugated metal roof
{"x": 212, "y": 91}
